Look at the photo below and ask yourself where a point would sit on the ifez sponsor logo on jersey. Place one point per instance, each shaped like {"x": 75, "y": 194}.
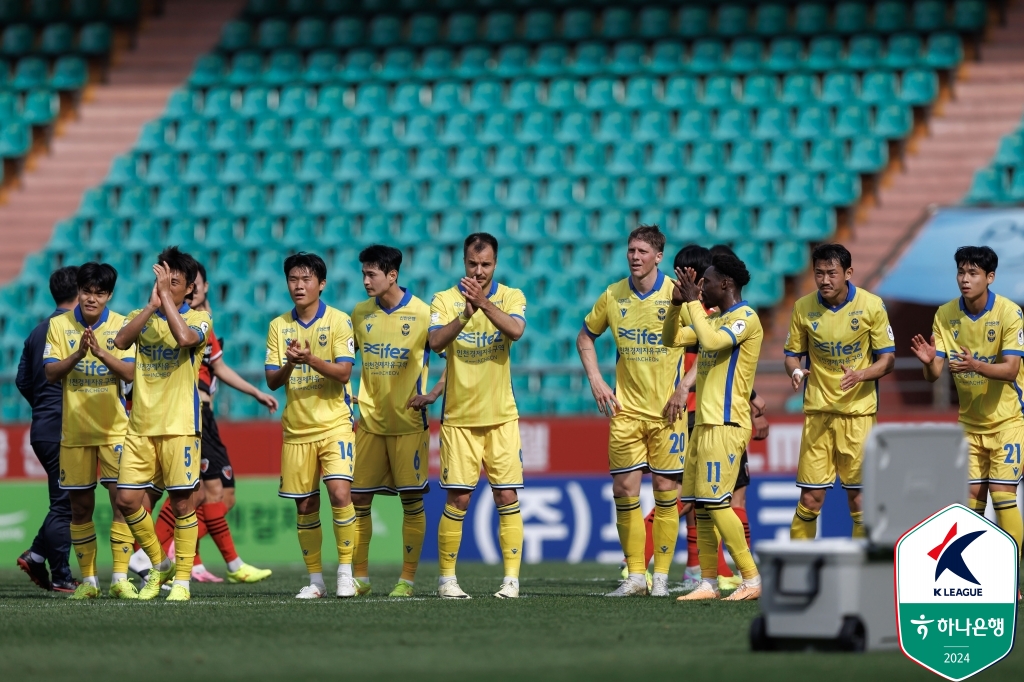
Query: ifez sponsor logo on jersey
{"x": 956, "y": 593}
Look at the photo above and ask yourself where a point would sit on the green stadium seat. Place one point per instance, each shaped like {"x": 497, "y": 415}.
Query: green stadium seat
{"x": 929, "y": 15}
{"x": 572, "y": 228}
{"x": 720, "y": 91}
{"x": 772, "y": 224}
{"x": 414, "y": 229}
{"x": 424, "y": 29}
{"x": 599, "y": 193}
{"x": 878, "y": 87}
{"x": 454, "y": 227}
{"x": 484, "y": 95}
{"x": 745, "y": 55}
{"x": 548, "y": 160}
{"x": 530, "y": 229}
{"x": 445, "y": 97}
{"x": 327, "y": 201}
{"x": 577, "y": 24}
{"x": 56, "y": 39}
{"x": 239, "y": 168}
{"x": 694, "y": 21}
{"x": 864, "y": 52}
{"x": 200, "y": 169}
{"x": 97, "y": 39}
{"x": 182, "y": 231}
{"x": 812, "y": 122}
{"x": 29, "y": 74}
{"x": 1015, "y": 193}
{"x": 653, "y": 126}
{"x": 784, "y": 55}
{"x": 66, "y": 237}
{"x": 41, "y": 108}
{"x": 310, "y": 33}
{"x": 815, "y": 224}
{"x": 398, "y": 64}
{"x": 732, "y": 124}
{"x": 562, "y": 94}
{"x": 852, "y": 120}
{"x": 733, "y": 225}
{"x": 919, "y": 87}
{"x": 551, "y": 59}
{"x": 798, "y": 89}
{"x": 358, "y": 66}
{"x": 666, "y": 159}
{"x": 840, "y": 189}
{"x": 799, "y": 189}
{"x": 772, "y": 123}
{"x": 890, "y": 16}
{"x": 824, "y": 53}
{"x": 719, "y": 191}
{"x": 666, "y": 57}
{"x": 512, "y": 61}
{"x": 272, "y": 34}
{"x": 771, "y": 19}
{"x": 839, "y": 87}
{"x": 209, "y": 71}
{"x": 210, "y": 201}
{"x": 15, "y": 140}
{"x": 944, "y": 51}
{"x": 402, "y": 196}
{"x": 986, "y": 187}
{"x": 587, "y": 259}
{"x": 316, "y": 165}
{"x": 172, "y": 202}
{"x": 904, "y": 51}
{"x": 591, "y": 58}
{"x": 707, "y": 56}
{"x": 246, "y": 69}
{"x": 640, "y": 192}
{"x": 294, "y": 101}
{"x": 320, "y": 67}
{"x": 627, "y": 58}
{"x": 616, "y": 22}
{"x": 614, "y": 127}
{"x": 17, "y": 40}
{"x": 789, "y": 257}
{"x": 969, "y": 16}
{"x": 122, "y": 171}
{"x": 125, "y": 12}
{"x": 462, "y": 28}
{"x": 285, "y": 67}
{"x": 83, "y": 10}
{"x": 347, "y": 32}
{"x": 733, "y": 20}
{"x": 391, "y": 164}
{"x": 811, "y": 19}
{"x": 371, "y": 98}
{"x": 893, "y": 121}
{"x": 745, "y": 158}
{"x": 826, "y": 154}
{"x": 587, "y": 159}
{"x": 764, "y": 290}
{"x": 654, "y": 22}
{"x": 256, "y": 103}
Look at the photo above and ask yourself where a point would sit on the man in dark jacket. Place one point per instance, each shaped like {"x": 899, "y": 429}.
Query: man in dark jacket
{"x": 53, "y": 542}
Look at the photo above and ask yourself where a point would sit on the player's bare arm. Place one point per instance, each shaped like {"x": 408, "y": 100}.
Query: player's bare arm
{"x": 510, "y": 326}
{"x": 230, "y": 377}
{"x": 607, "y": 403}
{"x": 924, "y": 350}
{"x": 125, "y": 371}
{"x": 185, "y": 336}
{"x": 418, "y": 402}
{"x": 129, "y": 333}
{"x": 878, "y": 369}
{"x": 759, "y": 417}
{"x": 441, "y": 338}
{"x": 965, "y": 362}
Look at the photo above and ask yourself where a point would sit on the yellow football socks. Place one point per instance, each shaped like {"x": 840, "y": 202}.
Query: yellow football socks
{"x": 731, "y": 528}
{"x": 120, "y": 546}
{"x": 449, "y": 537}
{"x": 141, "y": 525}
{"x": 186, "y": 537}
{"x": 665, "y": 529}
{"x": 83, "y": 539}
{"x": 978, "y": 505}
{"x": 707, "y": 545}
{"x": 1008, "y": 516}
{"x": 510, "y": 537}
{"x": 311, "y": 539}
{"x": 344, "y": 531}
{"x": 859, "y": 531}
{"x": 414, "y": 528}
{"x": 805, "y": 523}
{"x": 629, "y": 521}
{"x": 364, "y": 531}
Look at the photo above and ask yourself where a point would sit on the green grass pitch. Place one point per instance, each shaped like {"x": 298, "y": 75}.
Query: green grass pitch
{"x": 560, "y": 629}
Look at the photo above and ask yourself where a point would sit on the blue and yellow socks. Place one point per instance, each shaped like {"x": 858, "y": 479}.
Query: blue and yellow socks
{"x": 805, "y": 523}
{"x": 1008, "y": 516}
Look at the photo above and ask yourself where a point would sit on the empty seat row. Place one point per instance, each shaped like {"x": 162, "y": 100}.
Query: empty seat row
{"x": 68, "y": 73}
{"x": 42, "y": 12}
{"x": 54, "y": 40}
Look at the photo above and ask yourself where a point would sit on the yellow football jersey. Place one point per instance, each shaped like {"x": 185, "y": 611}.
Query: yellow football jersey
{"x": 478, "y": 388}
{"x": 165, "y": 397}
{"x": 985, "y": 406}
{"x": 849, "y": 335}
{"x": 313, "y": 405}
{"x": 94, "y": 409}
{"x": 395, "y": 353}
{"x": 729, "y": 343}
{"x": 646, "y": 372}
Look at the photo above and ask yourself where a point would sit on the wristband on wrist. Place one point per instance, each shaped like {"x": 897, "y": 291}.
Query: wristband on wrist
{"x": 796, "y": 371}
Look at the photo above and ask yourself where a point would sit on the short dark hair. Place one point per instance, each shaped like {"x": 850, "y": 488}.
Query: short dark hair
{"x": 722, "y": 250}
{"x": 179, "y": 261}
{"x": 693, "y": 256}
{"x": 201, "y": 269}
{"x": 650, "y": 234}
{"x": 477, "y": 241}
{"x": 832, "y": 253}
{"x": 982, "y": 256}
{"x": 732, "y": 267}
{"x": 384, "y": 258}
{"x": 64, "y": 284}
{"x": 306, "y": 261}
{"x": 100, "y": 276}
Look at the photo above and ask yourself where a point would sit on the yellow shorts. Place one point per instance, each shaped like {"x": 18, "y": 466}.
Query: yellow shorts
{"x": 161, "y": 462}
{"x": 655, "y": 446}
{"x": 391, "y": 464}
{"x": 302, "y": 463}
{"x": 78, "y": 465}
{"x": 995, "y": 457}
{"x": 713, "y": 458}
{"x": 465, "y": 448}
{"x": 831, "y": 444}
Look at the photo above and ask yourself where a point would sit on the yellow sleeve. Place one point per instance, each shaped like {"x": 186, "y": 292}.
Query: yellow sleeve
{"x": 516, "y": 304}
{"x": 596, "y": 320}
{"x": 1013, "y": 334}
{"x": 126, "y": 355}
{"x": 882, "y": 339}
{"x": 273, "y": 360}
{"x": 53, "y": 350}
{"x": 344, "y": 348}
{"x": 440, "y": 312}
{"x": 712, "y": 339}
{"x": 202, "y": 324}
{"x": 673, "y": 333}
{"x": 940, "y": 345}
{"x": 796, "y": 339}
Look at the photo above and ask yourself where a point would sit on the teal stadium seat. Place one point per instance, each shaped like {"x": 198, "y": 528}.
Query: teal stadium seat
{"x": 694, "y": 21}
{"x": 512, "y": 61}
{"x": 987, "y": 187}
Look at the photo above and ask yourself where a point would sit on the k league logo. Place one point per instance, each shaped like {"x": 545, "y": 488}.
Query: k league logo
{"x": 956, "y": 593}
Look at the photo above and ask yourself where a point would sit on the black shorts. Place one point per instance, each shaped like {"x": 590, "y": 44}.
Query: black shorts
{"x": 215, "y": 463}
{"x": 743, "y": 479}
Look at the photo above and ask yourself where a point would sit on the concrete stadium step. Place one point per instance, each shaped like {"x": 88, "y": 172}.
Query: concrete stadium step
{"x": 108, "y": 122}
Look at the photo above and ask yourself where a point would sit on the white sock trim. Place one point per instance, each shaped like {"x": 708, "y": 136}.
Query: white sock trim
{"x": 117, "y": 577}
{"x": 444, "y": 579}
{"x": 92, "y": 580}
{"x": 235, "y": 564}
{"x": 345, "y": 569}
{"x": 183, "y": 583}
{"x": 318, "y": 580}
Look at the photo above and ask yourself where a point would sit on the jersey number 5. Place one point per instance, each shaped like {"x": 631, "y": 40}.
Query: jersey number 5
{"x": 188, "y": 455}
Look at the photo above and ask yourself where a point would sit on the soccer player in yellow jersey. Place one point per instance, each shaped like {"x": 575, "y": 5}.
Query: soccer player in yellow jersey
{"x": 841, "y": 344}
{"x": 474, "y": 324}
{"x": 981, "y": 334}
{"x": 392, "y": 439}
{"x": 310, "y": 351}
{"x": 80, "y": 353}
{"x": 162, "y": 446}
{"x": 645, "y": 433}
{"x": 729, "y": 343}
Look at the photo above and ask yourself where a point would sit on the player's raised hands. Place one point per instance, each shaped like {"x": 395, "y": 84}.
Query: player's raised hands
{"x": 607, "y": 403}
{"x": 473, "y": 293}
{"x": 686, "y": 287}
{"x": 297, "y": 354}
{"x": 154, "y": 298}
{"x": 962, "y": 362}
{"x": 163, "y": 278}
{"x": 89, "y": 342}
{"x": 923, "y": 348}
